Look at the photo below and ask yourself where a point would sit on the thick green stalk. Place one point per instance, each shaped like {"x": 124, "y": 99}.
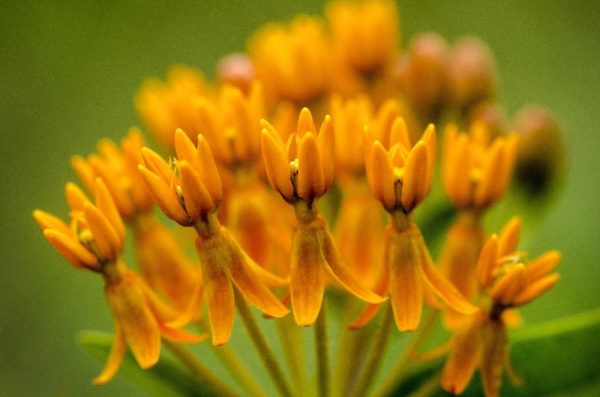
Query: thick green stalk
{"x": 322, "y": 354}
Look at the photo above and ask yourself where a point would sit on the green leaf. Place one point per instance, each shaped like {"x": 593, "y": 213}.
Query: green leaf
{"x": 166, "y": 379}
{"x": 555, "y": 358}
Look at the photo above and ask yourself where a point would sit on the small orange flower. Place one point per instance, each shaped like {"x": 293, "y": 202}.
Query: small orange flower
{"x": 365, "y": 34}
{"x": 302, "y": 173}
{"x": 190, "y": 193}
{"x": 400, "y": 179}
{"x": 165, "y": 106}
{"x": 161, "y": 262}
{"x": 292, "y": 61}
{"x": 94, "y": 240}
{"x": 506, "y": 280}
{"x": 477, "y": 169}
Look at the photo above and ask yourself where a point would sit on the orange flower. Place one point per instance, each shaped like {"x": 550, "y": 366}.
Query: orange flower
{"x": 506, "y": 279}
{"x": 302, "y": 173}
{"x": 160, "y": 260}
{"x": 477, "y": 169}
{"x": 292, "y": 61}
{"x": 190, "y": 194}
{"x": 400, "y": 179}
{"x": 164, "y": 106}
{"x": 94, "y": 240}
{"x": 365, "y": 34}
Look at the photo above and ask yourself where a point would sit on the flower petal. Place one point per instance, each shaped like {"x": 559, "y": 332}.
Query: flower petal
{"x": 536, "y": 289}
{"x": 307, "y": 284}
{"x": 465, "y": 351}
{"x": 406, "y": 282}
{"x": 339, "y": 270}
{"x": 115, "y": 357}
{"x": 105, "y": 236}
{"x": 382, "y": 176}
{"x": 311, "y": 184}
{"x": 414, "y": 182}
{"x": 198, "y": 202}
{"x": 164, "y": 197}
{"x": 541, "y": 266}
{"x": 276, "y": 165}
{"x": 71, "y": 249}
{"x": 208, "y": 170}
{"x": 218, "y": 290}
{"x": 509, "y": 237}
{"x": 487, "y": 261}
{"x": 493, "y": 356}
{"x": 326, "y": 150}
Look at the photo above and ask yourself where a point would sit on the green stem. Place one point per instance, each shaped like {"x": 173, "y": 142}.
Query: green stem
{"x": 377, "y": 353}
{"x": 263, "y": 349}
{"x": 291, "y": 341}
{"x": 200, "y": 371}
{"x": 236, "y": 368}
{"x": 396, "y": 373}
{"x": 322, "y": 354}
{"x": 350, "y": 354}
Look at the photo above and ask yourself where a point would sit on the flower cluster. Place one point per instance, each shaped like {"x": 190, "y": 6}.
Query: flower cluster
{"x": 285, "y": 170}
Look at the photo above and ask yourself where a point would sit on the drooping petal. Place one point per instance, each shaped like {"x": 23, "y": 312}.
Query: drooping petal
{"x": 465, "y": 354}
{"x": 180, "y": 335}
{"x": 218, "y": 290}
{"x": 307, "y": 283}
{"x": 493, "y": 357}
{"x": 115, "y": 357}
{"x": 130, "y": 310}
{"x": 339, "y": 270}
{"x": 406, "y": 282}
{"x": 252, "y": 288}
{"x": 442, "y": 287}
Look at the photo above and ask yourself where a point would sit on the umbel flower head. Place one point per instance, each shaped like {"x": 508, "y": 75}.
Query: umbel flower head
{"x": 94, "y": 240}
{"x": 189, "y": 192}
{"x": 507, "y": 279}
{"x": 400, "y": 178}
{"x": 302, "y": 172}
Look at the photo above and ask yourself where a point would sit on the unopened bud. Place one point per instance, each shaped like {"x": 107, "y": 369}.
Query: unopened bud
{"x": 472, "y": 72}
{"x": 236, "y": 69}
{"x": 541, "y": 156}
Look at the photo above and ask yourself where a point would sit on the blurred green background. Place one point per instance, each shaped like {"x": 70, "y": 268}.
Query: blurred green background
{"x": 68, "y": 73}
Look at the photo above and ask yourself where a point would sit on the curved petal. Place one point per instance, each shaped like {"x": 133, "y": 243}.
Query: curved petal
{"x": 339, "y": 271}
{"x": 465, "y": 353}
{"x": 115, "y": 357}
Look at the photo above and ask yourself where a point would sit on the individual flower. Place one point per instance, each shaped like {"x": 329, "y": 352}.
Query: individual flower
{"x": 365, "y": 34}
{"x": 165, "y": 106}
{"x": 400, "y": 178}
{"x": 477, "y": 169}
{"x": 507, "y": 279}
{"x": 292, "y": 61}
{"x": 160, "y": 259}
{"x": 189, "y": 191}
{"x": 94, "y": 240}
{"x": 301, "y": 173}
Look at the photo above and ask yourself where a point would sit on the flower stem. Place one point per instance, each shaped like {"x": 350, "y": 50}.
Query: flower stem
{"x": 419, "y": 337}
{"x": 377, "y": 353}
{"x": 236, "y": 368}
{"x": 261, "y": 346}
{"x": 291, "y": 341}
{"x": 202, "y": 373}
{"x": 322, "y": 354}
